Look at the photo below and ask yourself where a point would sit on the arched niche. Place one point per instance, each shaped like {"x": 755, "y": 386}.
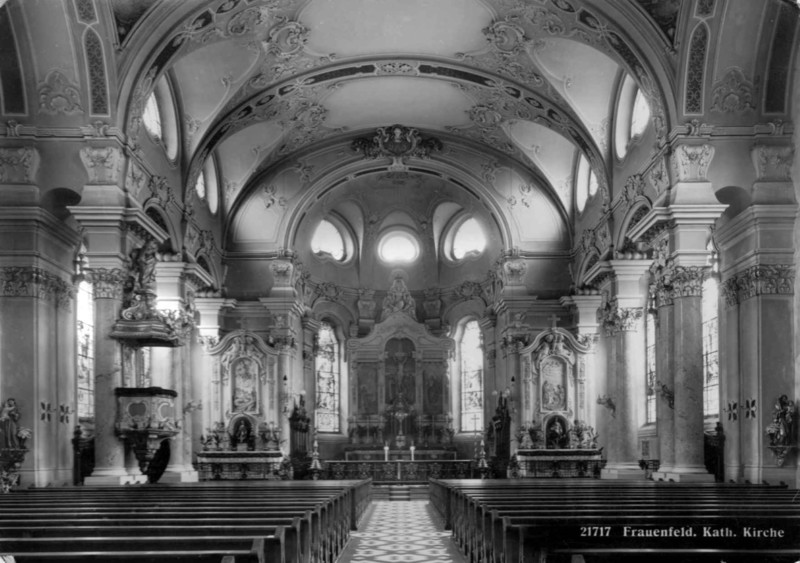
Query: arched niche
{"x": 244, "y": 383}
{"x": 553, "y": 378}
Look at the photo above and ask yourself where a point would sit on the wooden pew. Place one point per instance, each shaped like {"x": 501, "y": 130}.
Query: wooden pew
{"x": 295, "y": 522}
{"x": 507, "y": 521}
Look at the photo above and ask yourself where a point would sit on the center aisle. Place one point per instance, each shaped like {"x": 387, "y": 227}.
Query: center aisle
{"x": 401, "y": 531}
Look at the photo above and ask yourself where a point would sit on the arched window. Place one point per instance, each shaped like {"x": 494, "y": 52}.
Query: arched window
{"x": 152, "y": 117}
{"x": 470, "y": 354}
{"x": 85, "y": 321}
{"x": 641, "y": 114}
{"x": 650, "y": 368}
{"x": 200, "y": 185}
{"x": 327, "y": 240}
{"x": 328, "y": 370}
{"x": 160, "y": 118}
{"x": 210, "y": 184}
{"x": 398, "y": 247}
{"x": 469, "y": 239}
{"x": 710, "y": 348}
{"x": 585, "y": 183}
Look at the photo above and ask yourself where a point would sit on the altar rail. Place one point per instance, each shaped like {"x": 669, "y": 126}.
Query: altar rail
{"x": 401, "y": 471}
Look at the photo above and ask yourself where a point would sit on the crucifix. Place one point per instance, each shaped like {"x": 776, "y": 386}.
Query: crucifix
{"x": 475, "y": 422}
{"x": 554, "y": 321}
{"x": 242, "y": 323}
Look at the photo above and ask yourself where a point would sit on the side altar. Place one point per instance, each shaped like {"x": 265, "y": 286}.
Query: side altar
{"x": 243, "y": 434}
{"x": 555, "y": 440}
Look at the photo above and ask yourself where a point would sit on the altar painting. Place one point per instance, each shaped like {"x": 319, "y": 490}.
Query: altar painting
{"x": 367, "y": 385}
{"x": 245, "y": 388}
{"x": 554, "y": 384}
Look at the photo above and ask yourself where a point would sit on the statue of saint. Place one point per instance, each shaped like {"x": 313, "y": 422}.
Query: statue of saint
{"x": 399, "y": 300}
{"x": 9, "y": 417}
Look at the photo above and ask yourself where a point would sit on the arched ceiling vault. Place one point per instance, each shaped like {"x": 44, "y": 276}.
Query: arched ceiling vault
{"x": 271, "y": 79}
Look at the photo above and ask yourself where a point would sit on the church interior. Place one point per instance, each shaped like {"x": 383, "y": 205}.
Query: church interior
{"x": 416, "y": 244}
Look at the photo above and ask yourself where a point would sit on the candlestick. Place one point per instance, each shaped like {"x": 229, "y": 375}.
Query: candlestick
{"x": 412, "y": 453}
{"x": 385, "y": 453}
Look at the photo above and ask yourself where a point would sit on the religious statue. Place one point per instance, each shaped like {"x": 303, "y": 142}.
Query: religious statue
{"x": 9, "y": 418}
{"x": 780, "y": 429}
{"x": 399, "y": 300}
{"x": 556, "y": 435}
{"x": 140, "y": 288}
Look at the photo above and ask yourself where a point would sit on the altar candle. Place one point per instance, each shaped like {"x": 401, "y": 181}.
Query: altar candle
{"x": 412, "y": 452}
{"x": 385, "y": 453}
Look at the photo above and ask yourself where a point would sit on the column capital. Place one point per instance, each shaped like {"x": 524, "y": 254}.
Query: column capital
{"x": 619, "y": 319}
{"x": 758, "y": 280}
{"x": 108, "y": 283}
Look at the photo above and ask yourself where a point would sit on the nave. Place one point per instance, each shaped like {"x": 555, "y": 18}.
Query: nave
{"x": 407, "y": 531}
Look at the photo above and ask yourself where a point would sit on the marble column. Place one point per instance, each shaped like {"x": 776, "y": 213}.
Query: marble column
{"x": 109, "y": 449}
{"x": 622, "y": 321}
{"x": 586, "y": 304}
{"x": 688, "y": 369}
{"x": 665, "y": 384}
{"x": 205, "y": 372}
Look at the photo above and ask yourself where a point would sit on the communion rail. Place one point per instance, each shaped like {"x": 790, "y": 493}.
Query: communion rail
{"x": 400, "y": 471}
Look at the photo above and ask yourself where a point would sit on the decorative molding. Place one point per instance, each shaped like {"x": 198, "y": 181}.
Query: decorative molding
{"x": 107, "y": 283}
{"x": 733, "y": 94}
{"x": 691, "y": 162}
{"x": 507, "y": 37}
{"x": 634, "y": 188}
{"x": 659, "y": 176}
{"x": 18, "y": 165}
{"x": 102, "y": 164}
{"x": 136, "y": 179}
{"x": 287, "y": 39}
{"x": 619, "y": 319}
{"x": 28, "y": 281}
{"x": 515, "y": 271}
{"x": 767, "y": 279}
{"x": 58, "y": 95}
{"x": 398, "y": 143}
{"x": 696, "y": 68}
{"x": 773, "y": 162}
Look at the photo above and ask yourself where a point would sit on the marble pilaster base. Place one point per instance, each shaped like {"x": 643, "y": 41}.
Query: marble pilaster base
{"x": 180, "y": 476}
{"x": 684, "y": 477}
{"x": 623, "y": 472}
{"x": 114, "y": 480}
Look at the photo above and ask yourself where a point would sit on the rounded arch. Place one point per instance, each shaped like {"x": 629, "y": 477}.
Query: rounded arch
{"x": 590, "y": 259}
{"x": 457, "y": 313}
{"x": 341, "y": 316}
{"x": 210, "y": 266}
{"x": 640, "y": 207}
{"x": 161, "y": 218}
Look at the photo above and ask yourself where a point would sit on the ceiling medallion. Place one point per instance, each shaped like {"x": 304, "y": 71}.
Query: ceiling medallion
{"x": 398, "y": 143}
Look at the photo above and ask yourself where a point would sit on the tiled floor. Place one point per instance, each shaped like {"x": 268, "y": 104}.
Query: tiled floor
{"x": 404, "y": 531}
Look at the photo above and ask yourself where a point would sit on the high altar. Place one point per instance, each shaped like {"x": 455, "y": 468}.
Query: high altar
{"x": 400, "y": 386}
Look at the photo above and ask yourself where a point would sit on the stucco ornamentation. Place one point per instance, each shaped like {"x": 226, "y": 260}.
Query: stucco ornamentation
{"x": 691, "y": 162}
{"x": 18, "y": 165}
{"x": 102, "y": 164}
{"x": 58, "y": 95}
{"x": 773, "y": 162}
{"x": 759, "y": 280}
{"x": 732, "y": 94}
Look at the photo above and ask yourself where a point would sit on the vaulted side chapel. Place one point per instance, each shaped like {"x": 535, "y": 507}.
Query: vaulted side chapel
{"x": 269, "y": 238}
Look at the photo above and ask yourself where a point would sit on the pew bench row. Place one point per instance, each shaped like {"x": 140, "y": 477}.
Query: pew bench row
{"x": 502, "y": 521}
{"x": 301, "y": 522}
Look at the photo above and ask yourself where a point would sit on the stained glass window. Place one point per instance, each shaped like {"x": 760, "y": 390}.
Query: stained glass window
{"x": 710, "y": 349}
{"x": 650, "y": 369}
{"x": 85, "y": 318}
{"x": 327, "y": 365}
{"x": 471, "y": 355}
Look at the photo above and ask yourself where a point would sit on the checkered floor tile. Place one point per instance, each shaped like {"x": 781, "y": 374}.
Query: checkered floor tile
{"x": 405, "y": 531}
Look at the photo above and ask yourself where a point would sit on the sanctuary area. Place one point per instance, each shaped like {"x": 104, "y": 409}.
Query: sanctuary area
{"x": 381, "y": 249}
